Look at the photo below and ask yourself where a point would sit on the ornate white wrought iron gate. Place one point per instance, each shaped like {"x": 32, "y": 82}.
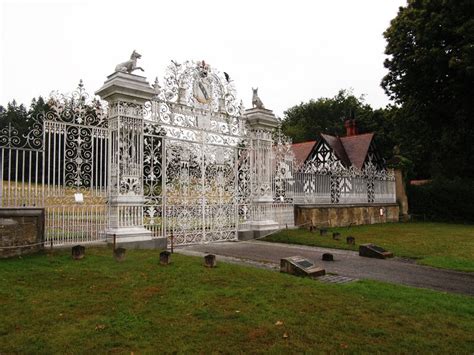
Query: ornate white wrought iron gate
{"x": 195, "y": 166}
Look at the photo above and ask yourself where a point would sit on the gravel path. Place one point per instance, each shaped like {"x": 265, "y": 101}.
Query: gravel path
{"x": 347, "y": 263}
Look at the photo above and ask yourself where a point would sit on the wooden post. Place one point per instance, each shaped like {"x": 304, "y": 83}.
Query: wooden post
{"x": 172, "y": 242}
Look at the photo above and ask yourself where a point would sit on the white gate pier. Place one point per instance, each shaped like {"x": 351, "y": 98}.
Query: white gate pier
{"x": 126, "y": 95}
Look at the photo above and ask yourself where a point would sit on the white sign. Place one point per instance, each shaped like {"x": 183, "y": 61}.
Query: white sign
{"x": 79, "y": 197}
{"x": 381, "y": 211}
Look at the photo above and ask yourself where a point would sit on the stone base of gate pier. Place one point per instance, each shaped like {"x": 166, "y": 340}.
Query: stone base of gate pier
{"x": 135, "y": 238}
{"x": 258, "y": 229}
{"x": 155, "y": 243}
{"x": 125, "y": 235}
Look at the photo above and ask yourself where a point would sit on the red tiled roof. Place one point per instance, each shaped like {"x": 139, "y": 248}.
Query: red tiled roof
{"x": 351, "y": 150}
{"x": 336, "y": 145}
{"x": 301, "y": 151}
{"x": 356, "y": 148}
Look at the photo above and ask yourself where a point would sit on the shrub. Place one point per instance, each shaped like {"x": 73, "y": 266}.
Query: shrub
{"x": 443, "y": 200}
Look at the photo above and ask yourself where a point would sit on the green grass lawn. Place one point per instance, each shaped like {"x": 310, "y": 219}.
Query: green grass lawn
{"x": 52, "y": 304}
{"x": 443, "y": 245}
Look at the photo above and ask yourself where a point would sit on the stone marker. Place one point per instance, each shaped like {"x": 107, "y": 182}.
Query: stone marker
{"x": 328, "y": 257}
{"x": 119, "y": 254}
{"x": 336, "y": 236}
{"x": 323, "y": 231}
{"x": 78, "y": 252}
{"x": 374, "y": 251}
{"x": 210, "y": 260}
{"x": 299, "y": 266}
{"x": 351, "y": 240}
{"x": 165, "y": 257}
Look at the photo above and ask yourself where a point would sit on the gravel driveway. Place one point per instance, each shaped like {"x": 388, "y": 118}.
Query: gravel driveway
{"x": 347, "y": 264}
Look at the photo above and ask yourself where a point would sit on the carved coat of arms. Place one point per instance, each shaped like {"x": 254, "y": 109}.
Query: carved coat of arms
{"x": 202, "y": 88}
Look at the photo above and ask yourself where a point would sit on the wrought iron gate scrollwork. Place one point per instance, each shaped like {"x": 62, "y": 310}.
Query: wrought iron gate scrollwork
{"x": 59, "y": 162}
{"x": 196, "y": 126}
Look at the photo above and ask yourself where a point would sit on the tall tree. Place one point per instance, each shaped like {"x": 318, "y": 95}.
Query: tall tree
{"x": 430, "y": 44}
{"x": 307, "y": 120}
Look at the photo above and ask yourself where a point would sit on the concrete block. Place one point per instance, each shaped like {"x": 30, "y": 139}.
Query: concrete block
{"x": 374, "y": 251}
{"x": 299, "y": 266}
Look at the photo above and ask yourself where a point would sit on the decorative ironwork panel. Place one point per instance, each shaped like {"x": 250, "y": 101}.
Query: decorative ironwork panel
{"x": 184, "y": 191}
{"x": 244, "y": 188}
{"x": 153, "y": 181}
{"x": 75, "y": 170}
{"x": 203, "y": 163}
{"x": 323, "y": 179}
{"x": 283, "y": 177}
{"x": 220, "y": 193}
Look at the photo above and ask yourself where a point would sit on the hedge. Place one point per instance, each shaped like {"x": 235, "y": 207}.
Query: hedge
{"x": 443, "y": 200}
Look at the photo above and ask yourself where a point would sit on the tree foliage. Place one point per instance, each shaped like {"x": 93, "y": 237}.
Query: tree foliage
{"x": 19, "y": 116}
{"x": 430, "y": 48}
{"x": 430, "y": 44}
{"x": 306, "y": 121}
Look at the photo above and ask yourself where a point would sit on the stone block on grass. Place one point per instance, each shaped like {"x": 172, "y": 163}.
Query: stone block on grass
{"x": 165, "y": 257}
{"x": 299, "y": 266}
{"x": 210, "y": 260}
{"x": 78, "y": 252}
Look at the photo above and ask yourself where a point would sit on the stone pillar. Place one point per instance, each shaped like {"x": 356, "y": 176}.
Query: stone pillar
{"x": 126, "y": 95}
{"x": 262, "y": 123}
{"x": 401, "y": 194}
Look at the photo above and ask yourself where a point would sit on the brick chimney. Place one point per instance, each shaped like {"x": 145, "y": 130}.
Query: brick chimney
{"x": 351, "y": 127}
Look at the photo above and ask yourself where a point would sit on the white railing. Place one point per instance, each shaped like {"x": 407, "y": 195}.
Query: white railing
{"x": 66, "y": 224}
{"x": 315, "y": 188}
{"x": 311, "y": 188}
{"x": 384, "y": 191}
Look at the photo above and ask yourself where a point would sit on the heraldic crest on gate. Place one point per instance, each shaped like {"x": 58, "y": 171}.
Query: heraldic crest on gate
{"x": 196, "y": 161}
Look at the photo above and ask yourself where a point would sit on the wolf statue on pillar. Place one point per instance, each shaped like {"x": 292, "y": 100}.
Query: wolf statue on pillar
{"x": 126, "y": 95}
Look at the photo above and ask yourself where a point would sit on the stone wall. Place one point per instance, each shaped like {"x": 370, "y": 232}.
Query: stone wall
{"x": 19, "y": 228}
{"x": 344, "y": 215}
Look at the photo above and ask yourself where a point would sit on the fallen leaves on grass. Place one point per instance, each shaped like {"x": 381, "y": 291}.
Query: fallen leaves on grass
{"x": 99, "y": 327}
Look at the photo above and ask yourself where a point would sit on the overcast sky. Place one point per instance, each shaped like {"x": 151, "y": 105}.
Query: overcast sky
{"x": 292, "y": 51}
